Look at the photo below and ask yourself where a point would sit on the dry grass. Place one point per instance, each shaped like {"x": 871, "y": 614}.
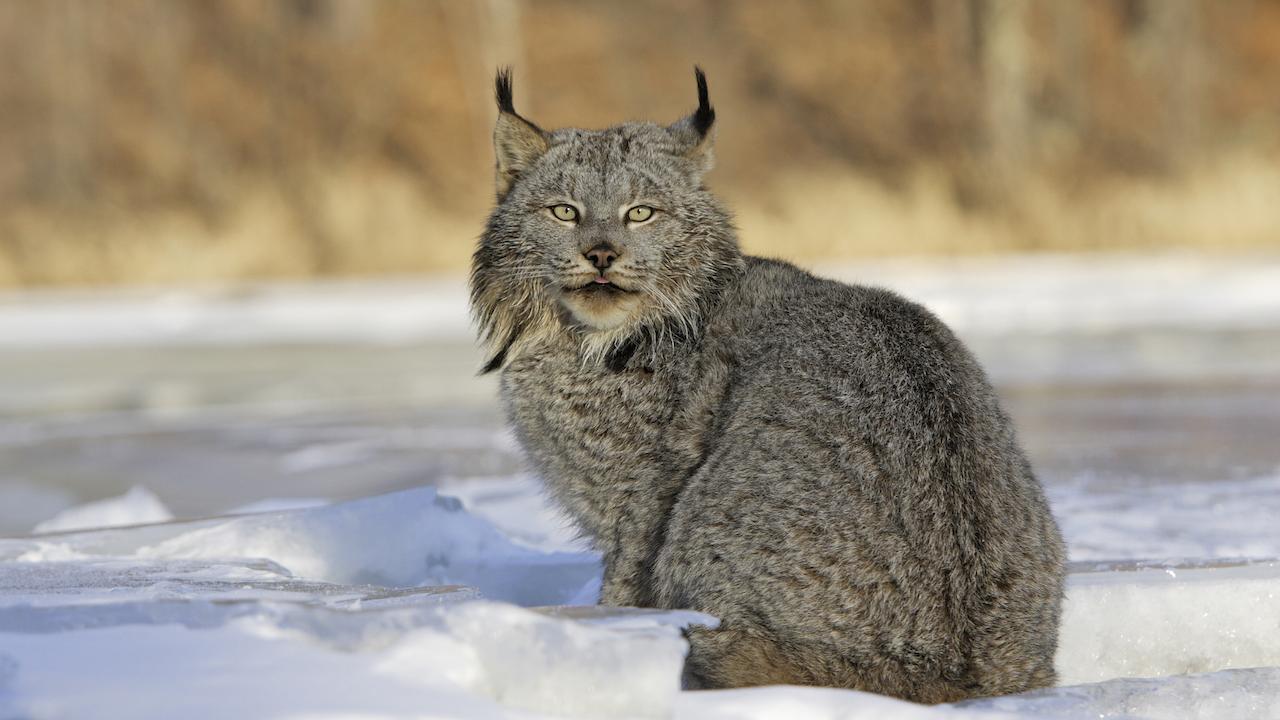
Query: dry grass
{"x": 816, "y": 217}
{"x": 383, "y": 225}
{"x": 374, "y": 224}
{"x": 178, "y": 140}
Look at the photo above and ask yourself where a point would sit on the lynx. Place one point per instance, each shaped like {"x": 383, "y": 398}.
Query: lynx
{"x": 822, "y": 466}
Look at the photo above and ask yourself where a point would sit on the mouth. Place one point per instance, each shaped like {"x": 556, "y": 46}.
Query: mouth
{"x": 595, "y": 301}
{"x": 599, "y": 285}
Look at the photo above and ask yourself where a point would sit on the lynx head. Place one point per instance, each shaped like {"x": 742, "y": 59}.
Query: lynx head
{"x": 607, "y": 235}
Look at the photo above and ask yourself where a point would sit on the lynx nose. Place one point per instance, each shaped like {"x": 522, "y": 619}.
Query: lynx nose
{"x": 602, "y": 256}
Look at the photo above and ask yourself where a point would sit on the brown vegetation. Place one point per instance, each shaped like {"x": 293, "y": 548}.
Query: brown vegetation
{"x": 169, "y": 140}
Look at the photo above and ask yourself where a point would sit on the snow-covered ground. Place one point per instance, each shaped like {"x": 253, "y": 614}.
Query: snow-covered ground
{"x": 416, "y": 604}
{"x": 355, "y": 537}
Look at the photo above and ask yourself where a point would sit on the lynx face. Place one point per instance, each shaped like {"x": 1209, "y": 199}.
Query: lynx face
{"x": 605, "y": 233}
{"x": 604, "y": 218}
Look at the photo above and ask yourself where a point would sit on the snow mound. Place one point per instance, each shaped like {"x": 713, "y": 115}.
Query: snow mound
{"x": 405, "y": 539}
{"x": 518, "y": 506}
{"x": 413, "y": 538}
{"x": 136, "y": 507}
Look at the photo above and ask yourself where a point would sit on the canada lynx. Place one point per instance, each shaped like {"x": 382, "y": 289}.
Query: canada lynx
{"x": 824, "y": 467}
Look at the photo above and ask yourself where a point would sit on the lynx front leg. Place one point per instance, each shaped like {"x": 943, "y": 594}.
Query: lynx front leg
{"x": 636, "y": 538}
{"x": 626, "y": 579}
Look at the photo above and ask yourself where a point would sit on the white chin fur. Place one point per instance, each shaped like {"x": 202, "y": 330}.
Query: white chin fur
{"x": 601, "y": 313}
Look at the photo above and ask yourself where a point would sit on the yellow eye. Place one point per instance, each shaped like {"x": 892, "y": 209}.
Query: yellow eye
{"x": 567, "y": 213}
{"x": 639, "y": 213}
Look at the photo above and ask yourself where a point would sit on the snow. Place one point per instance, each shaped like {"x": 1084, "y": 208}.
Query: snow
{"x": 476, "y": 659}
{"x": 411, "y": 538}
{"x": 283, "y": 597}
{"x": 1222, "y": 519}
{"x": 1039, "y": 293}
{"x": 1226, "y": 695}
{"x": 808, "y": 703}
{"x": 273, "y": 614}
{"x": 136, "y": 507}
{"x": 517, "y": 505}
{"x": 1049, "y": 293}
{"x": 385, "y": 607}
{"x": 1172, "y": 620}
{"x": 385, "y": 311}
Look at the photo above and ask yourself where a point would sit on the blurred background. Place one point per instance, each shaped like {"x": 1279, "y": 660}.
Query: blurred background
{"x": 233, "y": 234}
{"x": 167, "y": 141}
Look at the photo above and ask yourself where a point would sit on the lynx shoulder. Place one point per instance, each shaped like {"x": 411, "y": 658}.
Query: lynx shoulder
{"x": 824, "y": 467}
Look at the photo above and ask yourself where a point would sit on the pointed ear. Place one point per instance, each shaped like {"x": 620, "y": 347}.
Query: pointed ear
{"x": 694, "y": 132}
{"x": 517, "y": 143}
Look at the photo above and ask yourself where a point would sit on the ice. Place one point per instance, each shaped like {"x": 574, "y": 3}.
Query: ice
{"x": 46, "y": 596}
{"x": 472, "y": 660}
{"x": 582, "y": 670}
{"x": 1149, "y": 622}
{"x": 136, "y": 507}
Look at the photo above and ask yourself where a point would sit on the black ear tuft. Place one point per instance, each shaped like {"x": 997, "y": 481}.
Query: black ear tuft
{"x": 502, "y": 88}
{"x": 705, "y": 116}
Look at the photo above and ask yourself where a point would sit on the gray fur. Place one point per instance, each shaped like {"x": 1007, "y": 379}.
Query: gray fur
{"x": 823, "y": 466}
